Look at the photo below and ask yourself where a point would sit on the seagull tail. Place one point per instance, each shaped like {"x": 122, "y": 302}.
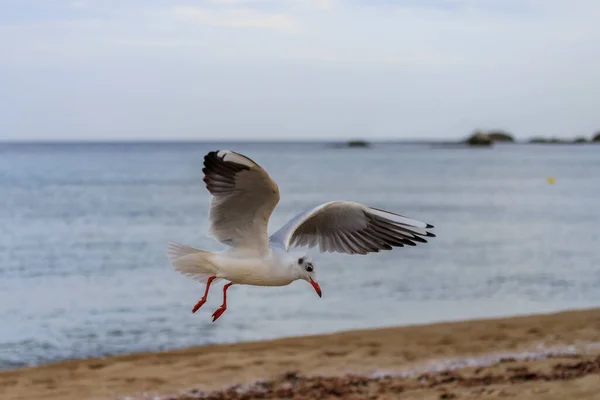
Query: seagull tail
{"x": 191, "y": 262}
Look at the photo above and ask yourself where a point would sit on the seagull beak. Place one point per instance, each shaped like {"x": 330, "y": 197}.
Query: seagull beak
{"x": 316, "y": 286}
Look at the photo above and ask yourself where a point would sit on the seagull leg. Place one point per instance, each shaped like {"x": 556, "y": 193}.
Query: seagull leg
{"x": 203, "y": 299}
{"x": 223, "y": 307}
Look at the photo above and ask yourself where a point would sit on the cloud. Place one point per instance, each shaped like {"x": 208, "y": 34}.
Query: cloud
{"x": 299, "y": 4}
{"x": 237, "y": 18}
{"x": 318, "y": 4}
{"x": 239, "y": 2}
{"x": 79, "y": 4}
{"x": 279, "y": 68}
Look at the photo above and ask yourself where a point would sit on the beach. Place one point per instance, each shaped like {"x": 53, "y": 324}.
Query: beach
{"x": 299, "y": 200}
{"x": 538, "y": 356}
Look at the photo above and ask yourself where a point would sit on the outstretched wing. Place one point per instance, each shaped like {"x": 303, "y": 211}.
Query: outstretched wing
{"x": 244, "y": 197}
{"x": 353, "y": 228}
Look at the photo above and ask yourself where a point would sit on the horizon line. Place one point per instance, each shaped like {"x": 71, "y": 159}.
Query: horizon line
{"x": 168, "y": 141}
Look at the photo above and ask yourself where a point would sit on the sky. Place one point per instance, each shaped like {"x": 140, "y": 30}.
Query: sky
{"x": 297, "y": 69}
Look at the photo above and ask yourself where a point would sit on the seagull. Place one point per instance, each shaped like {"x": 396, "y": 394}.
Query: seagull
{"x": 243, "y": 199}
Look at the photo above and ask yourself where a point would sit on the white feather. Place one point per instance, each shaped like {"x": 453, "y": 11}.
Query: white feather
{"x": 191, "y": 262}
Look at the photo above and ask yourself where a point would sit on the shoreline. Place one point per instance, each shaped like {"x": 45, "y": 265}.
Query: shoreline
{"x": 360, "y": 352}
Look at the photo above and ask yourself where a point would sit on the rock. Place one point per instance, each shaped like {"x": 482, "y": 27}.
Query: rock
{"x": 596, "y": 137}
{"x": 558, "y": 141}
{"x": 548, "y": 140}
{"x": 500, "y": 136}
{"x": 538, "y": 140}
{"x": 479, "y": 139}
{"x": 357, "y": 143}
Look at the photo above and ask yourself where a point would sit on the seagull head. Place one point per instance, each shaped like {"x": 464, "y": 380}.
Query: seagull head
{"x": 305, "y": 269}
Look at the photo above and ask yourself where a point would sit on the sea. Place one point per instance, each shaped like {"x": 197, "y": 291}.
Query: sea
{"x": 84, "y": 228}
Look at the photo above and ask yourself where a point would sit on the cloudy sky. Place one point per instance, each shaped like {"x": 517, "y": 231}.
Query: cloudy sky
{"x": 285, "y": 69}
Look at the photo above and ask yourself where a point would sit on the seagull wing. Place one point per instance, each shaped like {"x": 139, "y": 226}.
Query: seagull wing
{"x": 244, "y": 196}
{"x": 352, "y": 228}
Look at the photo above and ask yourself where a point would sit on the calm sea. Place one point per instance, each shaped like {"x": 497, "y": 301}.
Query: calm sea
{"x": 83, "y": 229}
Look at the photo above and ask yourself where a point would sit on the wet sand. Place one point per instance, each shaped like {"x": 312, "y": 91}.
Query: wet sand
{"x": 550, "y": 356}
{"x": 557, "y": 377}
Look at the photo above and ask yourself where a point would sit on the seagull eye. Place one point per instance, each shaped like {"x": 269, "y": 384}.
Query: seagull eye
{"x": 309, "y": 268}
{"x": 300, "y": 260}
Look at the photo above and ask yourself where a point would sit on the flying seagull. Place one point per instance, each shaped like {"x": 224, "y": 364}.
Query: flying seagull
{"x": 243, "y": 198}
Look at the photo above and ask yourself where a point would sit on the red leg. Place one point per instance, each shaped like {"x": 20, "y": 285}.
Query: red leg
{"x": 203, "y": 299}
{"x": 223, "y": 307}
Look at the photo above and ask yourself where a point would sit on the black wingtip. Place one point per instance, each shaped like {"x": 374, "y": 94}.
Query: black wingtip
{"x": 211, "y": 155}
{"x": 419, "y": 239}
{"x": 429, "y": 234}
{"x": 429, "y": 226}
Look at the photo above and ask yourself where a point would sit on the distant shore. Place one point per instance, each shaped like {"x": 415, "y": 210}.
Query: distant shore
{"x": 364, "y": 352}
{"x": 483, "y": 138}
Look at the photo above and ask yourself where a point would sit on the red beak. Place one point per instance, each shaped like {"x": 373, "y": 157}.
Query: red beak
{"x": 316, "y": 286}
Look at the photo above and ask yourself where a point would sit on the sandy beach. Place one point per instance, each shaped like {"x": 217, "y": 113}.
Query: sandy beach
{"x": 552, "y": 356}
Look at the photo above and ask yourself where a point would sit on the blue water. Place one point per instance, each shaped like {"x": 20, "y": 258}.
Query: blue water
{"x": 83, "y": 229}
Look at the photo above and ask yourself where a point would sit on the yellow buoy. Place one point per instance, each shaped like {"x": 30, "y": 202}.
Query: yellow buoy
{"x": 551, "y": 180}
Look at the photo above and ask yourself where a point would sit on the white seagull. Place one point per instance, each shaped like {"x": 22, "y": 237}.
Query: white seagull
{"x": 244, "y": 196}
